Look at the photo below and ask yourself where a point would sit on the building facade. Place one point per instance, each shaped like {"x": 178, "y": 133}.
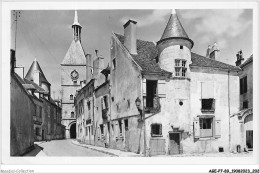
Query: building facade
{"x": 161, "y": 98}
{"x": 242, "y": 122}
{"x": 73, "y": 72}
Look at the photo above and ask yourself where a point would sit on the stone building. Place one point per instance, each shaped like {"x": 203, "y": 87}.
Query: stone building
{"x": 73, "y": 72}
{"x": 242, "y": 122}
{"x": 46, "y": 112}
{"x": 22, "y": 109}
{"x": 162, "y": 98}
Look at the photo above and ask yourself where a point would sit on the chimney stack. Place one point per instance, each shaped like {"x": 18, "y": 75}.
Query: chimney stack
{"x": 88, "y": 67}
{"x": 240, "y": 58}
{"x": 214, "y": 52}
{"x": 208, "y": 51}
{"x": 130, "y": 36}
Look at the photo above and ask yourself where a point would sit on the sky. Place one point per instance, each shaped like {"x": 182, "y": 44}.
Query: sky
{"x": 47, "y": 34}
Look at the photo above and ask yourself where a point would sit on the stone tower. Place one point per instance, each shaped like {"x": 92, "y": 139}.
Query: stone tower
{"x": 73, "y": 72}
{"x": 174, "y": 49}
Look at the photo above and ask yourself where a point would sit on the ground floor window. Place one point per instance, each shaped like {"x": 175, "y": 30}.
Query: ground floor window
{"x": 206, "y": 127}
{"x": 37, "y": 131}
{"x": 156, "y": 130}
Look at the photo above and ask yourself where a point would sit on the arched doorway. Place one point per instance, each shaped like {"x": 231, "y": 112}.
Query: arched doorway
{"x": 73, "y": 130}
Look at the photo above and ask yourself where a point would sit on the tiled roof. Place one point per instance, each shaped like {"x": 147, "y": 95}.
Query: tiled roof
{"x": 174, "y": 29}
{"x": 250, "y": 59}
{"x": 75, "y": 54}
{"x": 147, "y": 52}
{"x": 36, "y": 67}
{"x": 201, "y": 61}
{"x": 38, "y": 88}
{"x": 145, "y": 58}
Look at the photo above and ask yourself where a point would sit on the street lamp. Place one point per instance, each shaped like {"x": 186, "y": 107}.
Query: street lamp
{"x": 138, "y": 105}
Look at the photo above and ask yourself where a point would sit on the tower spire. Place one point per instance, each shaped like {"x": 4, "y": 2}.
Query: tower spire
{"x": 76, "y": 27}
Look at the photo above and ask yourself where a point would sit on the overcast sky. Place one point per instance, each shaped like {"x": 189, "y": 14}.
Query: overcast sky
{"x": 47, "y": 35}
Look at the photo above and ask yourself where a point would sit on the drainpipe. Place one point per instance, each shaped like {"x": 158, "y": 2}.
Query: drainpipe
{"x": 143, "y": 116}
{"x": 229, "y": 133}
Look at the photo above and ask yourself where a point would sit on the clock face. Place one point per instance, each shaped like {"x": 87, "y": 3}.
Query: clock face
{"x": 74, "y": 75}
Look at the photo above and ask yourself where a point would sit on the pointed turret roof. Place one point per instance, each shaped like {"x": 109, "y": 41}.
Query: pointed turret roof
{"x": 76, "y": 20}
{"x": 174, "y": 28}
{"x": 75, "y": 55}
{"x": 33, "y": 69}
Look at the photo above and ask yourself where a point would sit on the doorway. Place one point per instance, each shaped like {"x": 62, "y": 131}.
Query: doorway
{"x": 249, "y": 139}
{"x": 73, "y": 131}
{"x": 174, "y": 143}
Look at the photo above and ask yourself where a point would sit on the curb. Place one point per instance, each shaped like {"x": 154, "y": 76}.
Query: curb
{"x": 109, "y": 153}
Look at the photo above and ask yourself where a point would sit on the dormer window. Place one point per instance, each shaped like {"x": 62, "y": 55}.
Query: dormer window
{"x": 71, "y": 97}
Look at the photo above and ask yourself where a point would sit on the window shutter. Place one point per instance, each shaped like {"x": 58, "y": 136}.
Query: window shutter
{"x": 217, "y": 128}
{"x": 196, "y": 128}
{"x": 161, "y": 89}
{"x": 144, "y": 87}
{"x": 207, "y": 90}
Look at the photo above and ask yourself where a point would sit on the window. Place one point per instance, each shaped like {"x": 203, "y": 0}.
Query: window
{"x": 156, "y": 130}
{"x": 126, "y": 124}
{"x": 102, "y": 129}
{"x": 86, "y": 131}
{"x": 37, "y": 131}
{"x": 245, "y": 104}
{"x": 206, "y": 127}
{"x": 177, "y": 63}
{"x": 180, "y": 68}
{"x": 177, "y": 72}
{"x": 40, "y": 108}
{"x": 183, "y": 72}
{"x": 55, "y": 114}
{"x": 75, "y": 82}
{"x": 120, "y": 126}
{"x": 208, "y": 104}
{"x": 88, "y": 105}
{"x": 151, "y": 91}
{"x": 243, "y": 85}
{"x": 92, "y": 130}
{"x": 71, "y": 97}
{"x": 72, "y": 114}
{"x": 181, "y": 47}
{"x": 49, "y": 111}
{"x": 114, "y": 63}
{"x": 207, "y": 97}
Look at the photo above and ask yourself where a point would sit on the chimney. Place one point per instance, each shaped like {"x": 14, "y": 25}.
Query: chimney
{"x": 240, "y": 58}
{"x": 88, "y": 67}
{"x": 208, "y": 51}
{"x": 215, "y": 52}
{"x": 98, "y": 66}
{"x": 130, "y": 36}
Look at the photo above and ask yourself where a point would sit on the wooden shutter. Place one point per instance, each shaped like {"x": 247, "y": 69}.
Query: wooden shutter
{"x": 217, "y": 128}
{"x": 196, "y": 128}
{"x": 144, "y": 87}
{"x": 161, "y": 89}
{"x": 207, "y": 90}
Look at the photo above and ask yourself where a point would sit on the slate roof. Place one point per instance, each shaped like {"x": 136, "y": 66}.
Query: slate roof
{"x": 174, "y": 29}
{"x": 37, "y": 87}
{"x": 201, "y": 61}
{"x": 75, "y": 54}
{"x": 147, "y": 53}
{"x": 250, "y": 59}
{"x": 36, "y": 67}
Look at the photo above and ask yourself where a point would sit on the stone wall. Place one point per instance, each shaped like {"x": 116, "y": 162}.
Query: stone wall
{"x": 22, "y": 110}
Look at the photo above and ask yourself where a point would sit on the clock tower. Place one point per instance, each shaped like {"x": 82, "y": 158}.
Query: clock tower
{"x": 73, "y": 71}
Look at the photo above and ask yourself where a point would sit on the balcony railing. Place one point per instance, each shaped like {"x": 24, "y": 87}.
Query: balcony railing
{"x": 154, "y": 105}
{"x": 105, "y": 113}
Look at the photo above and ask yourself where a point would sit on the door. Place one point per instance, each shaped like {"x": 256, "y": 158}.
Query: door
{"x": 174, "y": 143}
{"x": 249, "y": 139}
{"x": 42, "y": 135}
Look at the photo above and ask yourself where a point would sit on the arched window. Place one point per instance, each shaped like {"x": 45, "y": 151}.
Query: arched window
{"x": 72, "y": 114}
{"x": 71, "y": 97}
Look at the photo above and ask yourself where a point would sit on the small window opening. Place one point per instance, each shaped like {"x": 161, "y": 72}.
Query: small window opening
{"x": 120, "y": 126}
{"x": 156, "y": 130}
{"x": 207, "y": 104}
{"x": 114, "y": 63}
{"x": 72, "y": 114}
{"x": 71, "y": 97}
{"x": 181, "y": 47}
{"x": 126, "y": 124}
{"x": 245, "y": 104}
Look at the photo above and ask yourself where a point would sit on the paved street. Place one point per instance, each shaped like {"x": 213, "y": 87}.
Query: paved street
{"x": 63, "y": 148}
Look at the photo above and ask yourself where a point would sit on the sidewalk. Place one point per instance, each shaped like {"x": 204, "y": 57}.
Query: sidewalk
{"x": 113, "y": 152}
{"x": 37, "y": 151}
